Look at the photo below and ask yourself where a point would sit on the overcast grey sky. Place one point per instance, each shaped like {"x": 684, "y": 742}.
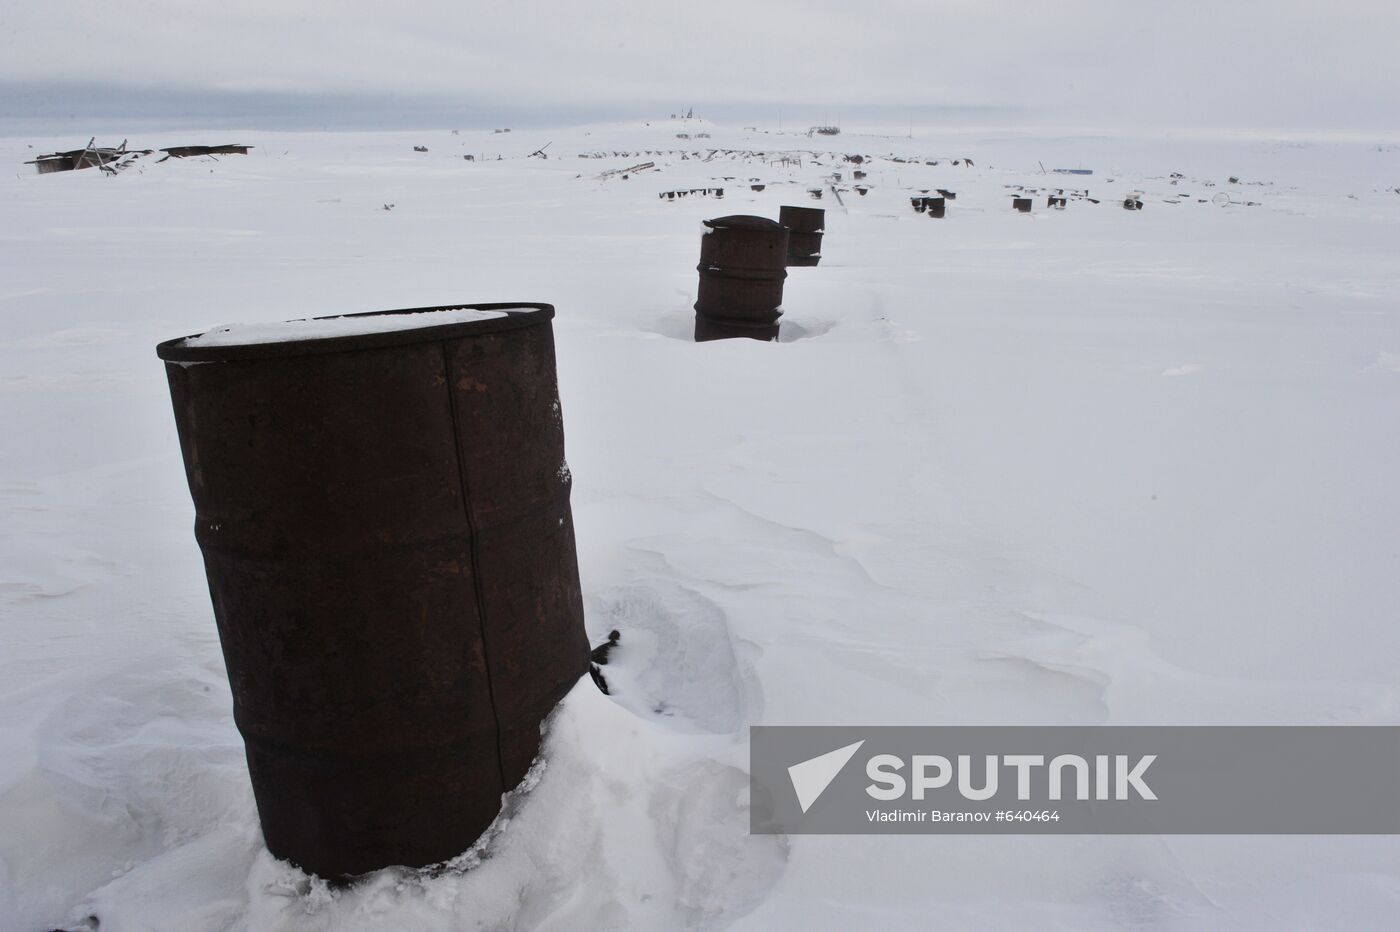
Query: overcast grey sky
{"x": 1234, "y": 63}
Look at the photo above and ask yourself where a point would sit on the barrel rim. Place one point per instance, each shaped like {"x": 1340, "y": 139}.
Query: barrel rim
{"x": 518, "y": 314}
{"x": 745, "y": 222}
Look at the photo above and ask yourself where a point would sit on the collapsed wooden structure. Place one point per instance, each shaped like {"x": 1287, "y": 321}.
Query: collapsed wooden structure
{"x": 184, "y": 152}
{"x": 89, "y": 156}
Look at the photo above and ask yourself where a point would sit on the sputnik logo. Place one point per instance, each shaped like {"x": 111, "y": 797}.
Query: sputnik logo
{"x": 811, "y": 777}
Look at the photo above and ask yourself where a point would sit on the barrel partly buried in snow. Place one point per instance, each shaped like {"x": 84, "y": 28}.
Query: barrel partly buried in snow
{"x": 743, "y": 264}
{"x": 383, "y": 507}
{"x": 805, "y": 240}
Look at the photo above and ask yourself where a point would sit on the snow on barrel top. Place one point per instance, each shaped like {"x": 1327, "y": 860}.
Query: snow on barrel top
{"x": 323, "y": 328}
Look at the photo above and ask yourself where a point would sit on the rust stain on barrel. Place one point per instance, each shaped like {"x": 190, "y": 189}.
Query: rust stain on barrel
{"x": 393, "y": 572}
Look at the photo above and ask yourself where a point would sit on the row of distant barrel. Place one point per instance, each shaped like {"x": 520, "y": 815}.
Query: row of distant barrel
{"x": 699, "y": 192}
{"x": 1059, "y": 201}
{"x": 935, "y": 205}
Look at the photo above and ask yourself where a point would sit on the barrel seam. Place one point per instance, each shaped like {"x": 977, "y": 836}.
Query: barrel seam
{"x": 475, "y": 561}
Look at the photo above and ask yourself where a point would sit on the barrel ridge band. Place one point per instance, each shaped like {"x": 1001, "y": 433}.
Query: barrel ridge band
{"x": 742, "y": 274}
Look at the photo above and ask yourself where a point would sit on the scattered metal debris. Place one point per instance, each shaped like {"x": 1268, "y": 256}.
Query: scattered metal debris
{"x": 624, "y": 172}
{"x": 1225, "y": 200}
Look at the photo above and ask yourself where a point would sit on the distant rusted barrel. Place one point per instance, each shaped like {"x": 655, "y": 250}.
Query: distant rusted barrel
{"x": 918, "y": 203}
{"x": 936, "y": 206}
{"x": 757, "y": 187}
{"x": 1023, "y": 204}
{"x": 383, "y": 508}
{"x": 743, "y": 263}
{"x": 805, "y": 240}
{"x": 1056, "y": 202}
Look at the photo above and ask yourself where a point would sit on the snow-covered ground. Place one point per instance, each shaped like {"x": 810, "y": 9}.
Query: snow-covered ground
{"x": 1082, "y": 466}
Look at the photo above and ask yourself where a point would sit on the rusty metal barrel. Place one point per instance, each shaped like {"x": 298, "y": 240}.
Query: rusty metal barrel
{"x": 383, "y": 507}
{"x": 1021, "y": 204}
{"x": 743, "y": 264}
{"x": 805, "y": 239}
{"x": 936, "y": 206}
